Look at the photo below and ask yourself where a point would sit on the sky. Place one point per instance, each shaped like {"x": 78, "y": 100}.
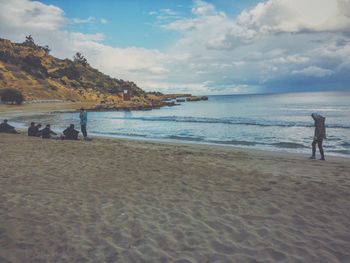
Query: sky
{"x": 195, "y": 46}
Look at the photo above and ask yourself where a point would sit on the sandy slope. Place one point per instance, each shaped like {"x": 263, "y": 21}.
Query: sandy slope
{"x": 127, "y": 201}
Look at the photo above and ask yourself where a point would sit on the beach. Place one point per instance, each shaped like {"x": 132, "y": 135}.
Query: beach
{"x": 115, "y": 200}
{"x": 268, "y": 122}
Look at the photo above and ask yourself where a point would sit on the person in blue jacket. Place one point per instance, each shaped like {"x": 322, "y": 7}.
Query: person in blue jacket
{"x": 83, "y": 122}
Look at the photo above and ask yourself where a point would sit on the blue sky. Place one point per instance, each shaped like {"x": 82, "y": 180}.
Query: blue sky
{"x": 196, "y": 46}
{"x": 129, "y": 23}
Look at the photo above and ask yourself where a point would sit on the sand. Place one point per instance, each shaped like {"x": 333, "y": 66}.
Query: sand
{"x": 32, "y": 108}
{"x": 132, "y": 201}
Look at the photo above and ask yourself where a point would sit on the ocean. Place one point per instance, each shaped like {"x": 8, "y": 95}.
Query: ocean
{"x": 275, "y": 122}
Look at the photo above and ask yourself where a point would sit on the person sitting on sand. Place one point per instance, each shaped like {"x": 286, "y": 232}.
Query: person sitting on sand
{"x": 70, "y": 133}
{"x": 47, "y": 132}
{"x": 319, "y": 135}
{"x": 32, "y": 131}
{"x": 38, "y": 131}
{"x": 7, "y": 128}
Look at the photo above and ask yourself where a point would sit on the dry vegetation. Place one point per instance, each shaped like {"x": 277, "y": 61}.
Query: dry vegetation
{"x": 40, "y": 76}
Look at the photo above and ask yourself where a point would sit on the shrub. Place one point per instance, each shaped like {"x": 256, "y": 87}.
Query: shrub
{"x": 10, "y": 95}
{"x": 80, "y": 59}
{"x": 29, "y": 41}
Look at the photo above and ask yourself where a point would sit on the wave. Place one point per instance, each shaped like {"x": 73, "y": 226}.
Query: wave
{"x": 345, "y": 152}
{"x": 232, "y": 121}
{"x": 238, "y": 143}
{"x": 346, "y": 144}
{"x": 118, "y": 134}
{"x": 235, "y": 142}
{"x": 185, "y": 138}
{"x": 290, "y": 145}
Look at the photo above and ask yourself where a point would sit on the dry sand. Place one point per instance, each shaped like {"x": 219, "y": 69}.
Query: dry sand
{"x": 131, "y": 201}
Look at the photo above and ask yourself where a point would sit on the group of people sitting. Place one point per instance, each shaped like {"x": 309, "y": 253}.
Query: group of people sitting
{"x": 34, "y": 130}
{"x": 7, "y": 128}
{"x": 68, "y": 134}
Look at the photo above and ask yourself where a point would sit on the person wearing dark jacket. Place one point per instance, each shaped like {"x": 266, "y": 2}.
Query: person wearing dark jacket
{"x": 7, "y": 128}
{"x": 38, "y": 131}
{"x": 70, "y": 133}
{"x": 32, "y": 129}
{"x": 319, "y": 135}
{"x": 47, "y": 132}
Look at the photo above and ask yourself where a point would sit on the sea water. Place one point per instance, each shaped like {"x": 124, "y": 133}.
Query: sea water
{"x": 263, "y": 121}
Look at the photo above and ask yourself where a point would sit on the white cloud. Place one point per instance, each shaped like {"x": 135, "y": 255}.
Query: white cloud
{"x": 168, "y": 11}
{"x": 313, "y": 71}
{"x": 103, "y": 21}
{"x": 88, "y": 20}
{"x": 267, "y": 43}
{"x": 277, "y": 41}
{"x": 297, "y": 16}
{"x": 202, "y": 8}
{"x": 80, "y": 37}
{"x": 165, "y": 15}
{"x": 21, "y": 15}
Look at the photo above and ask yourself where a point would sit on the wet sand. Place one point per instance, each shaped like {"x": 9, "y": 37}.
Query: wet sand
{"x": 130, "y": 201}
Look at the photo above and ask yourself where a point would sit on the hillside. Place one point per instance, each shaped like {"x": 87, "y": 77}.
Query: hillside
{"x": 40, "y": 76}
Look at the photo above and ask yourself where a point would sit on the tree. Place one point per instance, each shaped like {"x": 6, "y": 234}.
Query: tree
{"x": 10, "y": 95}
{"x": 29, "y": 41}
{"x": 79, "y": 58}
{"x": 46, "y": 49}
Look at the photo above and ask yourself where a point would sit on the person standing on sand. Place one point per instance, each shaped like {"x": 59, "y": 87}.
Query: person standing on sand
{"x": 83, "y": 122}
{"x": 320, "y": 134}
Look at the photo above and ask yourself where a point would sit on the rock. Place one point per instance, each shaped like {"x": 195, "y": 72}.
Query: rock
{"x": 197, "y": 98}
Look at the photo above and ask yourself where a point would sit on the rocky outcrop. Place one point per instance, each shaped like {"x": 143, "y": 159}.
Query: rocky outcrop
{"x": 196, "y": 98}
{"x": 40, "y": 76}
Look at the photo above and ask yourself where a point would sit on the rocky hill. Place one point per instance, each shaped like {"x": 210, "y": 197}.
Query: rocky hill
{"x": 39, "y": 76}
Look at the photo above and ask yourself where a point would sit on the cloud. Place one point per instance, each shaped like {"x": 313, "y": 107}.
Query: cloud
{"x": 277, "y": 41}
{"x": 275, "y": 45}
{"x": 80, "y": 37}
{"x": 103, "y": 21}
{"x": 168, "y": 11}
{"x": 202, "y": 8}
{"x": 21, "y": 15}
{"x": 165, "y": 15}
{"x": 88, "y": 20}
{"x": 285, "y": 16}
{"x": 313, "y": 72}
{"x": 297, "y": 16}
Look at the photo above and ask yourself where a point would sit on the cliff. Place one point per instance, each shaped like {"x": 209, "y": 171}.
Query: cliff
{"x": 40, "y": 76}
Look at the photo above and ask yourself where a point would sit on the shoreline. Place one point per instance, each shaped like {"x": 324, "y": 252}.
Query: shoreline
{"x": 10, "y": 111}
{"x": 216, "y": 146}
